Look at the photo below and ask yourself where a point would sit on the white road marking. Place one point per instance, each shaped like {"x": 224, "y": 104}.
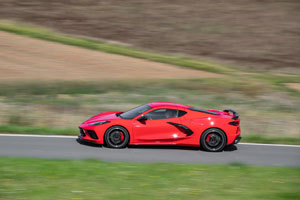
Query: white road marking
{"x": 46, "y": 136}
{"x": 67, "y": 136}
{"x": 274, "y": 145}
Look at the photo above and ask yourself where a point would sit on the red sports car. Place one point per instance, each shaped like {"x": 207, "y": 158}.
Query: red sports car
{"x": 164, "y": 123}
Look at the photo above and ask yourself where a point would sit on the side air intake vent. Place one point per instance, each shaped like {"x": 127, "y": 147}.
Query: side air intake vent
{"x": 81, "y": 132}
{"x": 92, "y": 134}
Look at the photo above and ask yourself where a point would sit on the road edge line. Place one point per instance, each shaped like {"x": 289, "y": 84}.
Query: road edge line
{"x": 68, "y": 136}
{"x": 46, "y": 136}
{"x": 274, "y": 145}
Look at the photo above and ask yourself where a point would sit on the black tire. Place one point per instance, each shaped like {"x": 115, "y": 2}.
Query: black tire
{"x": 113, "y": 137}
{"x": 213, "y": 140}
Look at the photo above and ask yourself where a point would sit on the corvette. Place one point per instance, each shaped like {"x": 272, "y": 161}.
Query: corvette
{"x": 163, "y": 123}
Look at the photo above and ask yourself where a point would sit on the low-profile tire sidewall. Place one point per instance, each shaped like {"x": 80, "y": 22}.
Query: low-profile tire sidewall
{"x": 126, "y": 137}
{"x": 213, "y": 130}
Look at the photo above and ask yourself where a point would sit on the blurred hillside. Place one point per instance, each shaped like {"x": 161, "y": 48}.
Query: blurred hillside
{"x": 50, "y": 88}
{"x": 44, "y": 60}
{"x": 249, "y": 34}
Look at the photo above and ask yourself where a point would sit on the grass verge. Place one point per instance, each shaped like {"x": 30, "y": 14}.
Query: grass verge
{"x": 74, "y": 131}
{"x": 37, "y": 130}
{"x": 50, "y": 35}
{"x": 92, "y": 179}
{"x": 222, "y": 86}
{"x": 270, "y": 140}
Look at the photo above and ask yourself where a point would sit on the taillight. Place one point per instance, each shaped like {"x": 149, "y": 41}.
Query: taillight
{"x": 234, "y": 123}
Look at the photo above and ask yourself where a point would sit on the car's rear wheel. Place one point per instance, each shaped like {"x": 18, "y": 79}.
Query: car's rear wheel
{"x": 116, "y": 137}
{"x": 213, "y": 140}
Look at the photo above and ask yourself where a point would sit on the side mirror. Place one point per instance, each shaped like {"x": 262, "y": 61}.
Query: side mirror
{"x": 142, "y": 118}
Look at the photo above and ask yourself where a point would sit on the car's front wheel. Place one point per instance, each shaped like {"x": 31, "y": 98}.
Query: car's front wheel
{"x": 116, "y": 137}
{"x": 213, "y": 140}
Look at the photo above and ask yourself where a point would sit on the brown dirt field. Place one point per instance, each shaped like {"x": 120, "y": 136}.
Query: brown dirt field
{"x": 23, "y": 58}
{"x": 255, "y": 35}
{"x": 295, "y": 86}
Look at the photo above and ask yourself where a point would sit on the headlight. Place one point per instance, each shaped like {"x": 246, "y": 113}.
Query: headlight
{"x": 99, "y": 123}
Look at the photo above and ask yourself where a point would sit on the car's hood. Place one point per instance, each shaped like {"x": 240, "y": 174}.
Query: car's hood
{"x": 105, "y": 116}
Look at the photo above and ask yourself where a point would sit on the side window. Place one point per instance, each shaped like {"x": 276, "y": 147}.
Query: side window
{"x": 181, "y": 113}
{"x": 162, "y": 114}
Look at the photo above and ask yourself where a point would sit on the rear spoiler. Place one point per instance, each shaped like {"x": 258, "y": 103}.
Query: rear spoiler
{"x": 236, "y": 115}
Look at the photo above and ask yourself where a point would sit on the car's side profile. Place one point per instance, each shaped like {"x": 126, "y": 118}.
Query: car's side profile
{"x": 163, "y": 123}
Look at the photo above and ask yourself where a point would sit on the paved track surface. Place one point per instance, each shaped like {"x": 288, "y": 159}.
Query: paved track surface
{"x": 68, "y": 147}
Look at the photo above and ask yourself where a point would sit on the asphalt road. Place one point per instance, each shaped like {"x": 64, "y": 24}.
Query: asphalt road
{"x": 68, "y": 147}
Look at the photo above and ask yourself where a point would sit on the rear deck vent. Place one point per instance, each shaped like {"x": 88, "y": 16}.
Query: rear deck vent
{"x": 204, "y": 111}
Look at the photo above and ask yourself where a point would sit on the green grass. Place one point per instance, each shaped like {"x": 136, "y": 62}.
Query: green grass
{"x": 92, "y": 179}
{"x": 17, "y": 129}
{"x": 278, "y": 82}
{"x": 211, "y": 85}
{"x": 37, "y": 130}
{"x": 50, "y": 35}
{"x": 271, "y": 140}
{"x": 66, "y": 87}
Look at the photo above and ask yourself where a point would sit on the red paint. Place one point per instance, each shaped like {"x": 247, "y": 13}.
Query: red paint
{"x": 159, "y": 132}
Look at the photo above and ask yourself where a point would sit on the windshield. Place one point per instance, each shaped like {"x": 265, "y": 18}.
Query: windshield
{"x": 135, "y": 112}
